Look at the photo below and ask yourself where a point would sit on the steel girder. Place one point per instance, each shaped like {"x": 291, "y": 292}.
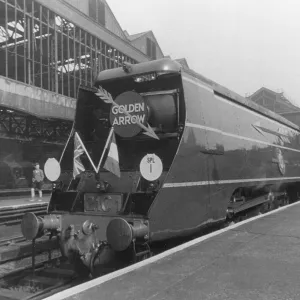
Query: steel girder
{"x": 25, "y": 127}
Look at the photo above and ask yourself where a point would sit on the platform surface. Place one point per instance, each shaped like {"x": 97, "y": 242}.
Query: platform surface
{"x": 259, "y": 259}
{"x": 14, "y": 201}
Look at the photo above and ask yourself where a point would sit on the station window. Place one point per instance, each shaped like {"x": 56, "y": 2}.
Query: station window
{"x": 151, "y": 48}
{"x": 97, "y": 11}
{"x": 93, "y": 9}
{"x": 101, "y": 13}
{"x": 42, "y": 48}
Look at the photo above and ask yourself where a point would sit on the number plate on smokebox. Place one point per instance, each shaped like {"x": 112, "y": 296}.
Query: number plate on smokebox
{"x": 108, "y": 203}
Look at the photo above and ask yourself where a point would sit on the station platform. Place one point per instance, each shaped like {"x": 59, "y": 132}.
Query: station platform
{"x": 21, "y": 201}
{"x": 258, "y": 258}
{"x": 20, "y": 192}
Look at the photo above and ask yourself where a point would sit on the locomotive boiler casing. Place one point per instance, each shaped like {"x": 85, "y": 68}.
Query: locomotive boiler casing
{"x": 228, "y": 142}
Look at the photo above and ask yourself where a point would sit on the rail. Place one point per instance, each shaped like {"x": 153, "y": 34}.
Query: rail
{"x": 47, "y": 278}
{"x": 14, "y": 214}
{"x": 11, "y": 240}
{"x": 18, "y": 279}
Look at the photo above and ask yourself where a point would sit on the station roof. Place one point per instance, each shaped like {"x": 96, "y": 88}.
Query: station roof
{"x": 137, "y": 35}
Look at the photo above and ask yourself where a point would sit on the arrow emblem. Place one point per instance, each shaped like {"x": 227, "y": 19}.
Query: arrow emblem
{"x": 107, "y": 98}
{"x": 284, "y": 137}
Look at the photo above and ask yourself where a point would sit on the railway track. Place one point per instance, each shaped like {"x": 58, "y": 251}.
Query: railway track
{"x": 52, "y": 273}
{"x": 11, "y": 240}
{"x": 21, "y": 277}
{"x": 13, "y": 215}
{"x": 48, "y": 277}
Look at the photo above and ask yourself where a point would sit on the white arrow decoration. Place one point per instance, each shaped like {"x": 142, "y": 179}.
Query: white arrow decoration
{"x": 107, "y": 98}
{"x": 257, "y": 126}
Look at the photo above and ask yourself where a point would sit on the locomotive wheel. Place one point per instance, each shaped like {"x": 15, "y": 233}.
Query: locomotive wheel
{"x": 271, "y": 206}
{"x": 78, "y": 266}
{"x": 286, "y": 201}
{"x": 230, "y": 223}
{"x": 265, "y": 208}
{"x": 258, "y": 211}
{"x": 244, "y": 217}
{"x": 275, "y": 204}
{"x": 240, "y": 218}
{"x": 81, "y": 270}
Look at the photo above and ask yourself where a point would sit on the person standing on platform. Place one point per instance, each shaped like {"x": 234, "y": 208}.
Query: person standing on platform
{"x": 37, "y": 180}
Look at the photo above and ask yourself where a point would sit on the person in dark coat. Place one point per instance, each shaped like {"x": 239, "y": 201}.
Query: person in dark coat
{"x": 37, "y": 180}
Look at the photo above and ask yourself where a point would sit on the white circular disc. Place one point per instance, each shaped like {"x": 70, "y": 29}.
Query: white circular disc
{"x": 151, "y": 167}
{"x": 52, "y": 169}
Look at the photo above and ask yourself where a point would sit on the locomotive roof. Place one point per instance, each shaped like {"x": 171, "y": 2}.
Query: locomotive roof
{"x": 164, "y": 65}
{"x": 219, "y": 89}
{"x": 167, "y": 65}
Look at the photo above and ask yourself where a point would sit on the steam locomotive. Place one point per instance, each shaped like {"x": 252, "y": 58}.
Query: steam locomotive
{"x": 159, "y": 152}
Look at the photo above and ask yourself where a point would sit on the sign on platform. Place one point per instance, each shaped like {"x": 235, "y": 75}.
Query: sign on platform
{"x": 52, "y": 169}
{"x": 126, "y": 124}
{"x": 151, "y": 167}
